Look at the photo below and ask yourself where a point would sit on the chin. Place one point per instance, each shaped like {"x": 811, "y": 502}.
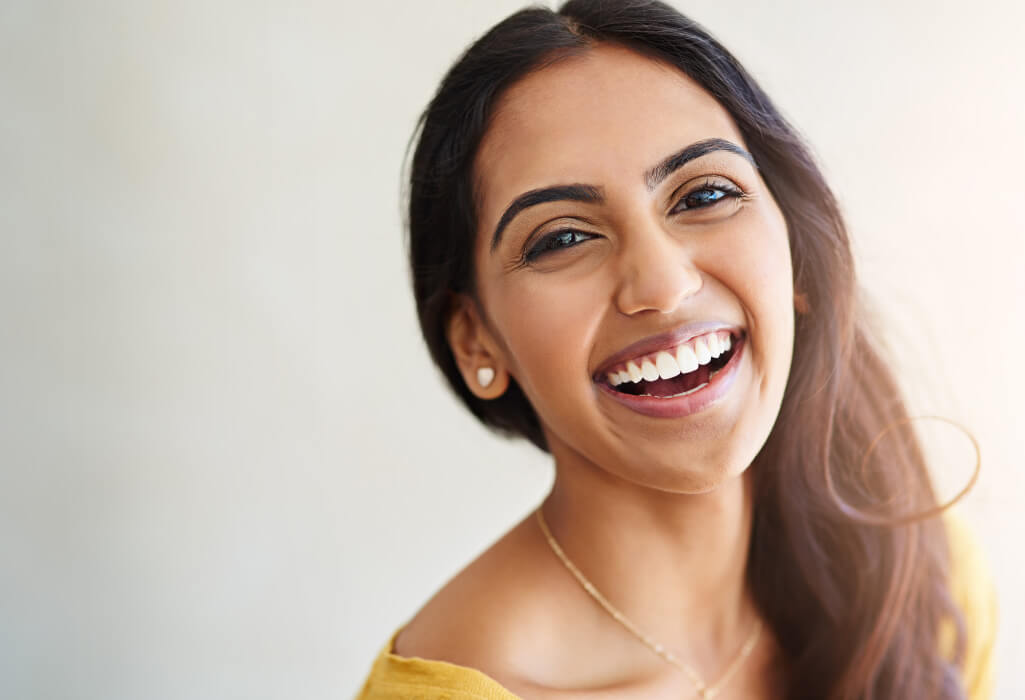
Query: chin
{"x": 670, "y": 478}
{"x": 682, "y": 468}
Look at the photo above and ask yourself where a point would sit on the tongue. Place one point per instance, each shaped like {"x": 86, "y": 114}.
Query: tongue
{"x": 678, "y": 384}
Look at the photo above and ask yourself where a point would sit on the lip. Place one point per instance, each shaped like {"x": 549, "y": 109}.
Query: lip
{"x": 717, "y": 387}
{"x": 654, "y": 343}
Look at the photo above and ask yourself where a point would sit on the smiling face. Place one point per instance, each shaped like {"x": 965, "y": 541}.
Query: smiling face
{"x": 631, "y": 221}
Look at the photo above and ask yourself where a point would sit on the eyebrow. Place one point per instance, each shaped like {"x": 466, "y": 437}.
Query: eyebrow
{"x": 670, "y": 165}
{"x": 591, "y": 194}
{"x": 573, "y": 193}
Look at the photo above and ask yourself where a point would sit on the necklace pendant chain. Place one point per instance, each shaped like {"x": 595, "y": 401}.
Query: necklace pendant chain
{"x": 704, "y": 691}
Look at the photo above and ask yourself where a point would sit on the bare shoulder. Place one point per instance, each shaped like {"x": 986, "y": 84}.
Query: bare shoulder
{"x": 492, "y": 613}
{"x": 518, "y": 616}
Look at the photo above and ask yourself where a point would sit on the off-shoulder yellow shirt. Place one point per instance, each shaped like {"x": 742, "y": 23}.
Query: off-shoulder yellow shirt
{"x": 393, "y": 676}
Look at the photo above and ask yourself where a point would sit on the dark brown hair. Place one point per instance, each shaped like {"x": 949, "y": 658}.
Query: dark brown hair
{"x": 855, "y": 597}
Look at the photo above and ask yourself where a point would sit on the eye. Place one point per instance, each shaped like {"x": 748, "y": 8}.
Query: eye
{"x": 557, "y": 240}
{"x": 706, "y": 195}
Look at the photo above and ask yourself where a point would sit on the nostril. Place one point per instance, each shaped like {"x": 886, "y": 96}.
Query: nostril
{"x": 656, "y": 262}
{"x": 652, "y": 290}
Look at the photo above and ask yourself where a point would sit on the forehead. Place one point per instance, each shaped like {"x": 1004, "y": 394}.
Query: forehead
{"x": 602, "y": 118}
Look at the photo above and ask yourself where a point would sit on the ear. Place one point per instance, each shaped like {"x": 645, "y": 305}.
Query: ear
{"x": 475, "y": 350}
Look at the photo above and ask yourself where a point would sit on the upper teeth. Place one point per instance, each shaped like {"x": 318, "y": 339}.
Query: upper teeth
{"x": 666, "y": 364}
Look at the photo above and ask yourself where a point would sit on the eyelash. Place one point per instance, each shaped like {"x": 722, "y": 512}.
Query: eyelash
{"x": 729, "y": 191}
{"x": 541, "y": 248}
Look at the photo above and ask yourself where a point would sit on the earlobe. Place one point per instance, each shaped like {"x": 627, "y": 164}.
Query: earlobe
{"x": 474, "y": 352}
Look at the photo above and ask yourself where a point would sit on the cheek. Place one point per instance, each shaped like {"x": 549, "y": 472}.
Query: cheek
{"x": 763, "y": 248}
{"x": 774, "y": 286}
{"x": 549, "y": 324}
{"x": 756, "y": 262}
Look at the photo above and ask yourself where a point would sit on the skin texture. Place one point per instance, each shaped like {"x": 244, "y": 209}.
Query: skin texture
{"x": 655, "y": 511}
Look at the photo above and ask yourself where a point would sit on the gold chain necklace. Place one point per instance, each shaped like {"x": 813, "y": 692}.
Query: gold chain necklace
{"x": 704, "y": 691}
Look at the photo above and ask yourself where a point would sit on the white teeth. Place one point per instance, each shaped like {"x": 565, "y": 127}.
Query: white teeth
{"x": 686, "y": 358}
{"x": 649, "y": 371}
{"x": 701, "y": 350}
{"x": 667, "y": 366}
{"x": 713, "y": 345}
{"x": 634, "y": 371}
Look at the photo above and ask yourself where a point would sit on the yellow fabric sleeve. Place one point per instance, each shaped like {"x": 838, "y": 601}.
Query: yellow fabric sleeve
{"x": 973, "y": 590}
{"x": 393, "y": 677}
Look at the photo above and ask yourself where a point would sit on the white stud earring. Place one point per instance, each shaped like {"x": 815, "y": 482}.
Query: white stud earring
{"x": 485, "y": 375}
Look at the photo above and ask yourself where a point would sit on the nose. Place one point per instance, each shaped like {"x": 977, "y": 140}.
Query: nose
{"x": 656, "y": 272}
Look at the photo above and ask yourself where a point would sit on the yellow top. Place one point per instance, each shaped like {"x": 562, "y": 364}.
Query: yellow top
{"x": 394, "y": 676}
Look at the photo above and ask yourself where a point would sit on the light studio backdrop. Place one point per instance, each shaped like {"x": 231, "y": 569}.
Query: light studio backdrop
{"x": 227, "y": 467}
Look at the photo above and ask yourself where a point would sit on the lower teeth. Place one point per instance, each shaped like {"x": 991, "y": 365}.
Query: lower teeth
{"x": 699, "y": 387}
{"x": 685, "y": 393}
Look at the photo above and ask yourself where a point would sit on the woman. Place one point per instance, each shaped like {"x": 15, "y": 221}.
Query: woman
{"x": 622, "y": 252}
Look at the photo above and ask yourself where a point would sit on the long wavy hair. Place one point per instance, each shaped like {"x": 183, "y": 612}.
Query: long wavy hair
{"x": 854, "y": 588}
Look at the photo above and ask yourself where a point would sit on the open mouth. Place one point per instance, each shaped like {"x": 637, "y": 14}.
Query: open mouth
{"x": 663, "y": 375}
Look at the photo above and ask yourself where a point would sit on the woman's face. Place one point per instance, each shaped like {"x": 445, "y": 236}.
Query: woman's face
{"x": 629, "y": 247}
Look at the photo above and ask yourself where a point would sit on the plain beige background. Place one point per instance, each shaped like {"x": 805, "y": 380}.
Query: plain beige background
{"x": 227, "y": 468}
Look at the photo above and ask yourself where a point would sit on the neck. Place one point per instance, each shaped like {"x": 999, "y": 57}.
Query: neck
{"x": 673, "y": 564}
